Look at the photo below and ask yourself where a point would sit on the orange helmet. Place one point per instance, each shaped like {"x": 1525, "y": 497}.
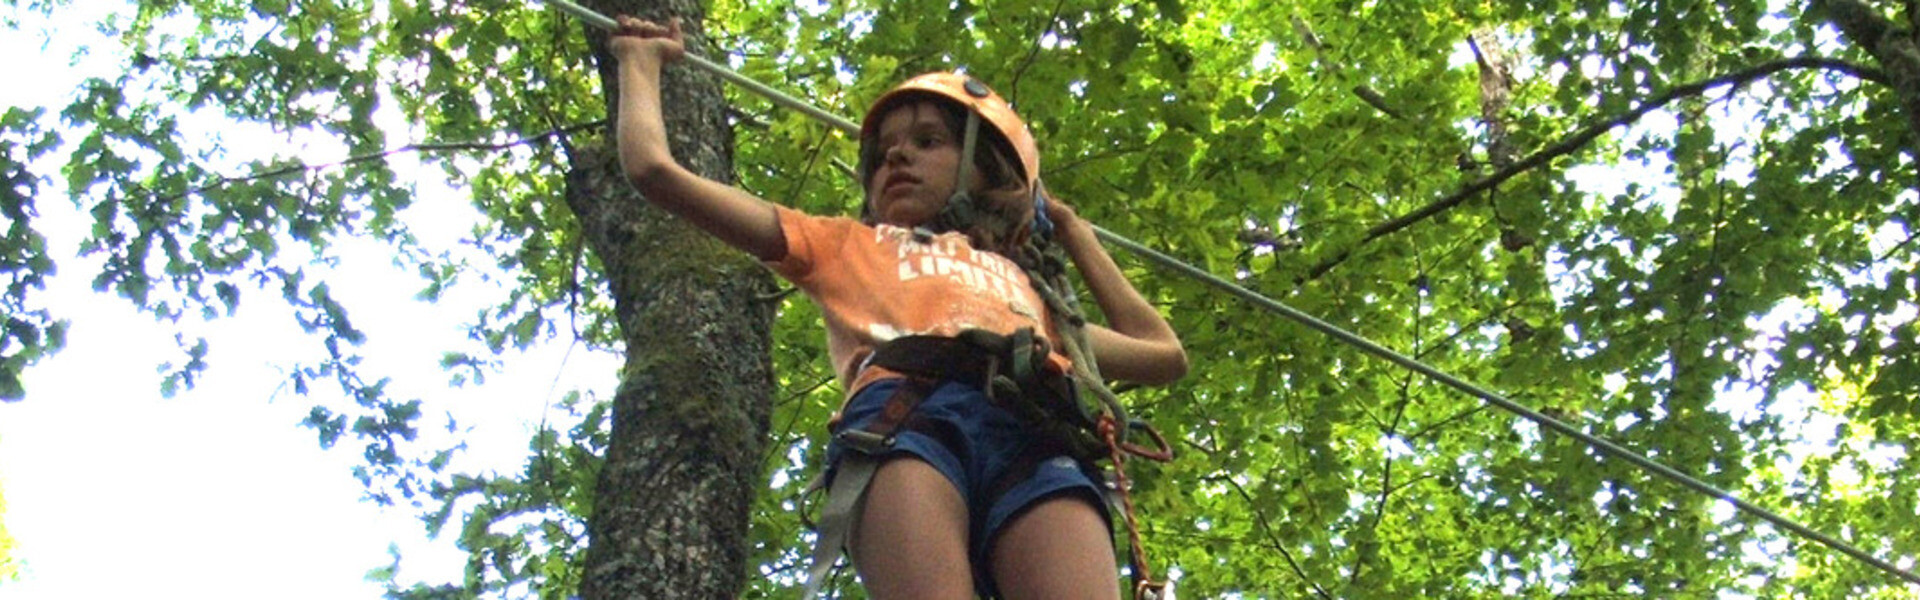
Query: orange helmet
{"x": 978, "y": 98}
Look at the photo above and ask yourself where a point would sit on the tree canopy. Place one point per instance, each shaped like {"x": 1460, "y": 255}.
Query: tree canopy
{"x": 1683, "y": 226}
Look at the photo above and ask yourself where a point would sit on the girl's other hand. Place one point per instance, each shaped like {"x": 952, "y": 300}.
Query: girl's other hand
{"x": 1067, "y": 224}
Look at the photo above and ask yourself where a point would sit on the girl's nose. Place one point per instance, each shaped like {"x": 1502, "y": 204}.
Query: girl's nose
{"x": 897, "y": 154}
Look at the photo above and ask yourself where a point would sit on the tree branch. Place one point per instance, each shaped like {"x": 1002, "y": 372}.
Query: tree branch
{"x": 1437, "y": 425}
{"x": 1274, "y": 542}
{"x": 1913, "y": 16}
{"x": 1033, "y": 52}
{"x": 1361, "y": 552}
{"x": 1895, "y": 48}
{"x": 806, "y": 174}
{"x": 1366, "y": 94}
{"x": 786, "y": 431}
{"x": 1083, "y": 160}
{"x": 1446, "y": 343}
{"x": 383, "y": 155}
{"x": 1585, "y": 136}
{"x": 1407, "y": 484}
{"x": 1863, "y": 23}
{"x": 1897, "y": 248}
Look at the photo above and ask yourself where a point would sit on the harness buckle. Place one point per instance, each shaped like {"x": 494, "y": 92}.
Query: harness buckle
{"x": 866, "y": 441}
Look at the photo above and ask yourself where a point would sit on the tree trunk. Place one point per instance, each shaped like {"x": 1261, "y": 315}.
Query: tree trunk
{"x": 690, "y": 418}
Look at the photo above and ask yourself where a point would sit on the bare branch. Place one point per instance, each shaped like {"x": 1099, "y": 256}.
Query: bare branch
{"x": 1033, "y": 52}
{"x": 1274, "y": 542}
{"x": 1585, "y": 136}
{"x": 1367, "y": 94}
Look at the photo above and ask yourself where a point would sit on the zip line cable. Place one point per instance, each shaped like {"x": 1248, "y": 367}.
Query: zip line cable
{"x": 778, "y": 97}
{"x": 1604, "y": 446}
{"x": 1364, "y": 344}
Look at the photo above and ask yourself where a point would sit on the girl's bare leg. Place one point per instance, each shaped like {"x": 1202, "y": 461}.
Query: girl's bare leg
{"x": 1060, "y": 548}
{"x": 911, "y": 541}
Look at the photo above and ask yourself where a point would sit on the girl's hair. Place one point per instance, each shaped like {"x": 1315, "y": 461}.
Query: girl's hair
{"x": 993, "y": 159}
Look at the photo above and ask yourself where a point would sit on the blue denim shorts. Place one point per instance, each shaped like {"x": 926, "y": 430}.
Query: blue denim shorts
{"x": 1000, "y": 466}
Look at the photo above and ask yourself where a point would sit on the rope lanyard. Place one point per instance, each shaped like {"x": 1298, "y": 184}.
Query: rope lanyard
{"x": 1368, "y": 346}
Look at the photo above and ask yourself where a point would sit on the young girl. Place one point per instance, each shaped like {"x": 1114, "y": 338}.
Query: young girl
{"x": 967, "y": 497}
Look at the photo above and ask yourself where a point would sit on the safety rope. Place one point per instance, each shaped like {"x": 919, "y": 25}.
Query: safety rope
{"x": 1368, "y": 346}
{"x": 1047, "y": 275}
{"x": 1143, "y": 581}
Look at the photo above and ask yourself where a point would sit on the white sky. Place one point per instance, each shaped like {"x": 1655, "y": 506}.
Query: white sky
{"x": 115, "y": 492}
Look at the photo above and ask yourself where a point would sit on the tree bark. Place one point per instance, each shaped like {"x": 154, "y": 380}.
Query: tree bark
{"x": 690, "y": 418}
{"x": 1897, "y": 49}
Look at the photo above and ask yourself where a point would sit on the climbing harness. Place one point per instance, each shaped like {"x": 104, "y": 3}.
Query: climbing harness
{"x": 1013, "y": 372}
{"x": 1276, "y": 307}
{"x": 1048, "y": 274}
{"x": 846, "y": 496}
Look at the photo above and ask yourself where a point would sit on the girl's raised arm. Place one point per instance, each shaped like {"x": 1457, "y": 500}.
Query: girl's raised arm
{"x": 1139, "y": 346}
{"x": 738, "y": 218}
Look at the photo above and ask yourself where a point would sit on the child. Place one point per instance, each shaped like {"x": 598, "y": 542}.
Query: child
{"x": 966, "y": 496}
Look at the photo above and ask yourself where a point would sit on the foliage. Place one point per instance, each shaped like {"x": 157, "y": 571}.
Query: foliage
{"x": 1686, "y": 227}
{"x": 29, "y": 332}
{"x": 9, "y": 564}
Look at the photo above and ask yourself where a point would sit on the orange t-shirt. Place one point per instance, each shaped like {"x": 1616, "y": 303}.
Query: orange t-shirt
{"x": 878, "y": 283}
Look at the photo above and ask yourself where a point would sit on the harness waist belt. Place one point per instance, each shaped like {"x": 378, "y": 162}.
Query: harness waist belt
{"x": 935, "y": 357}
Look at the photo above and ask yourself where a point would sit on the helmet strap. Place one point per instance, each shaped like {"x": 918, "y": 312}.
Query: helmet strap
{"x": 959, "y": 213}
{"x": 969, "y": 139}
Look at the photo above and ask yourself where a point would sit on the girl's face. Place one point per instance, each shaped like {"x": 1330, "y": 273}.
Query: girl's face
{"x": 919, "y": 156}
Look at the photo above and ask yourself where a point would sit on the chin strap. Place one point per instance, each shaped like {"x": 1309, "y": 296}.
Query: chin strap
{"x": 960, "y": 214}
{"x": 989, "y": 227}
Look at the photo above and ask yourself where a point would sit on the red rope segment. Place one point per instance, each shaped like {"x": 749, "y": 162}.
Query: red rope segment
{"x": 1144, "y": 585}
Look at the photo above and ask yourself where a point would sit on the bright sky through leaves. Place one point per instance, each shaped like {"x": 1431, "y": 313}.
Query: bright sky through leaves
{"x": 115, "y": 492}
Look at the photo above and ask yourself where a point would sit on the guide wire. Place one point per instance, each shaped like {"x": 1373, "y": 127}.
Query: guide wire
{"x": 1364, "y": 344}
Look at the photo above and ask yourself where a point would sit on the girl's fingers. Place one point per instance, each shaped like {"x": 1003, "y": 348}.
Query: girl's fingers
{"x": 635, "y": 26}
